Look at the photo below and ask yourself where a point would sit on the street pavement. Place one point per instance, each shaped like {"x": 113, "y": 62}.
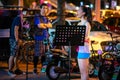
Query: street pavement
{"x": 30, "y": 76}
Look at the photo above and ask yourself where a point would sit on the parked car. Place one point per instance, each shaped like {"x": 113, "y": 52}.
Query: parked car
{"x": 113, "y": 24}
{"x": 53, "y": 14}
{"x": 98, "y": 34}
{"x": 106, "y": 13}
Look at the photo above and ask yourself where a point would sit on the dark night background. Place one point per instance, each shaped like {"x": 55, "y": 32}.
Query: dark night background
{"x": 11, "y": 2}
{"x": 77, "y": 2}
{"x": 28, "y": 2}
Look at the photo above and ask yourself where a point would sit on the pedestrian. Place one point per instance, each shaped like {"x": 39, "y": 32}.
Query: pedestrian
{"x": 13, "y": 67}
{"x": 42, "y": 24}
{"x": 84, "y": 13}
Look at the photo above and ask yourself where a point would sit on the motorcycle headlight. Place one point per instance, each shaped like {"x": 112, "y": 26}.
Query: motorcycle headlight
{"x": 118, "y": 46}
{"x": 107, "y": 56}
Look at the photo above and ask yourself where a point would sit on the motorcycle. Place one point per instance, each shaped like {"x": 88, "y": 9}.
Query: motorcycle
{"x": 110, "y": 67}
{"x": 110, "y": 61}
{"x": 59, "y": 65}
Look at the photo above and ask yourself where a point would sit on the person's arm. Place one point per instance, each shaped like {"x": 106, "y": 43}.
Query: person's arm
{"x": 48, "y": 25}
{"x": 42, "y": 26}
{"x": 16, "y": 33}
{"x": 45, "y": 25}
{"x": 88, "y": 28}
{"x": 17, "y": 24}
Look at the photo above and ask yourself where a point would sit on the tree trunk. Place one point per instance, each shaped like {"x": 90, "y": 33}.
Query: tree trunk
{"x": 97, "y": 9}
{"x": 61, "y": 12}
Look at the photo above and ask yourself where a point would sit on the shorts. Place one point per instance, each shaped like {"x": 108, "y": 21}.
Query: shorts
{"x": 39, "y": 48}
{"x": 83, "y": 55}
{"x": 13, "y": 47}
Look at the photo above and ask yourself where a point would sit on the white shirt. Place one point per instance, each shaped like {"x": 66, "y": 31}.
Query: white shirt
{"x": 86, "y": 47}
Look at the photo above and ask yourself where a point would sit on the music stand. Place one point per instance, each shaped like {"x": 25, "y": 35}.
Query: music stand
{"x": 70, "y": 35}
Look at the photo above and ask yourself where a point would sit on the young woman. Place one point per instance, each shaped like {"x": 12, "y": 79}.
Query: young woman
{"x": 84, "y": 13}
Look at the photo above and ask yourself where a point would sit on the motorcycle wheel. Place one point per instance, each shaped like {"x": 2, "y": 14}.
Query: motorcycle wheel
{"x": 28, "y": 51}
{"x": 107, "y": 67}
{"x": 102, "y": 75}
{"x": 52, "y": 75}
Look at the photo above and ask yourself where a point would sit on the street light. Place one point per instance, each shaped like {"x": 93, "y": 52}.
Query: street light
{"x": 91, "y": 6}
{"x": 81, "y": 3}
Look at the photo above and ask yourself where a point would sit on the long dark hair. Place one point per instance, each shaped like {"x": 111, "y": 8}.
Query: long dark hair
{"x": 88, "y": 13}
{"x": 43, "y": 5}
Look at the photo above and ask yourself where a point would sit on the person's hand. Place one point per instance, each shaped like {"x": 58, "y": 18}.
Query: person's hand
{"x": 19, "y": 42}
{"x": 48, "y": 25}
{"x": 42, "y": 25}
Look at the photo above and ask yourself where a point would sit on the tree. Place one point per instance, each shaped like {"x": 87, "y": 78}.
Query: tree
{"x": 61, "y": 12}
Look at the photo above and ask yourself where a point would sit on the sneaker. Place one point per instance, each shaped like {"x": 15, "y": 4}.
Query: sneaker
{"x": 18, "y": 72}
{"x": 11, "y": 73}
{"x": 43, "y": 69}
{"x": 35, "y": 71}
